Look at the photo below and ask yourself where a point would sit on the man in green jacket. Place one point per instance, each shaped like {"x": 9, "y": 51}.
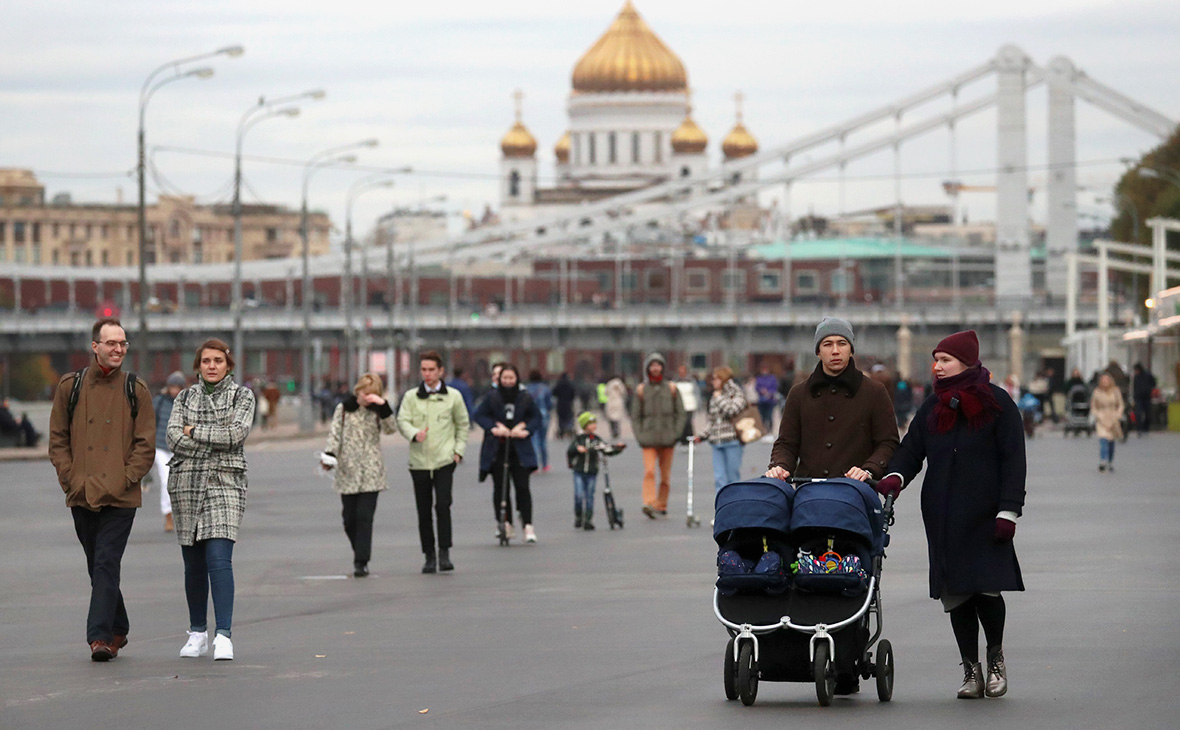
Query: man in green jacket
{"x": 433, "y": 418}
{"x": 657, "y": 417}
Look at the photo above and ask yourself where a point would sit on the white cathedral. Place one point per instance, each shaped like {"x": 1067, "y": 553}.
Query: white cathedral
{"x": 630, "y": 126}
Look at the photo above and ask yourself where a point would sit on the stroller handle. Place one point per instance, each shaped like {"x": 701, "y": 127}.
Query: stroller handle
{"x": 808, "y": 480}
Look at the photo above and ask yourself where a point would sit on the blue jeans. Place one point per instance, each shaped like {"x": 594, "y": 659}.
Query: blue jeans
{"x": 541, "y": 442}
{"x": 727, "y": 463}
{"x": 209, "y": 565}
{"x": 584, "y": 493}
{"x": 1106, "y": 450}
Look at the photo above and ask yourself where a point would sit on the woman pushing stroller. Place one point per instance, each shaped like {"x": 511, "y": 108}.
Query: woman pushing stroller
{"x": 970, "y": 434}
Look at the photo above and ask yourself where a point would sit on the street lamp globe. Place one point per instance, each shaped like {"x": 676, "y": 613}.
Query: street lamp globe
{"x": 231, "y": 51}
{"x": 201, "y": 73}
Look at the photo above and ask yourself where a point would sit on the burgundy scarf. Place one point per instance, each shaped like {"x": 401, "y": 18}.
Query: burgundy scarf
{"x": 972, "y": 391}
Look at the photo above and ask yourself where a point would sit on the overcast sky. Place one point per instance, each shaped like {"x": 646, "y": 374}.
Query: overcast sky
{"x": 433, "y": 81}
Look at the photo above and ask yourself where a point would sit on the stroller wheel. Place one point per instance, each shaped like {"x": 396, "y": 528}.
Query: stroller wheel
{"x": 825, "y": 675}
{"x": 884, "y": 670}
{"x": 747, "y": 674}
{"x": 731, "y": 692}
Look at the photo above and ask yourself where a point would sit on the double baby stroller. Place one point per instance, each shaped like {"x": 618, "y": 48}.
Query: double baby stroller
{"x": 798, "y": 587}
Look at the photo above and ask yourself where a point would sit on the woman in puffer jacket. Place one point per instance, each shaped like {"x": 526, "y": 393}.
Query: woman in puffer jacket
{"x": 354, "y": 438}
{"x": 725, "y": 404}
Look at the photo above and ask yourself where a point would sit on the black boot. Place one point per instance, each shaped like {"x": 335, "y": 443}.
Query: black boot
{"x": 588, "y": 520}
{"x": 360, "y": 570}
{"x": 431, "y": 565}
{"x": 577, "y": 517}
{"x": 444, "y": 560}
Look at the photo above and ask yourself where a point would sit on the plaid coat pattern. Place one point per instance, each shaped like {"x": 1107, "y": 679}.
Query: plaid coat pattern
{"x": 207, "y": 472}
{"x": 724, "y": 406}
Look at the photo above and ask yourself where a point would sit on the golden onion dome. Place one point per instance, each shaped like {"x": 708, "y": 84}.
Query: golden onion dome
{"x": 739, "y": 142}
{"x": 689, "y": 139}
{"x": 519, "y": 142}
{"x": 629, "y": 57}
{"x": 562, "y": 148}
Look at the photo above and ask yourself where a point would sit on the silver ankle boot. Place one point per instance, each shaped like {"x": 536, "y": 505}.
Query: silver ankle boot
{"x": 972, "y": 688}
{"x": 997, "y": 674}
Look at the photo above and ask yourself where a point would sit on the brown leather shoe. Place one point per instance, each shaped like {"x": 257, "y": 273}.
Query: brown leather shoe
{"x": 168, "y": 524}
{"x": 118, "y": 643}
{"x": 101, "y": 651}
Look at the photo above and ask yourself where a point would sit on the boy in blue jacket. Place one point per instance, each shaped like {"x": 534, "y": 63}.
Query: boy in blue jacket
{"x": 583, "y": 455}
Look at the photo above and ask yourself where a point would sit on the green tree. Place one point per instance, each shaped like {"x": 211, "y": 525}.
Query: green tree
{"x": 31, "y": 376}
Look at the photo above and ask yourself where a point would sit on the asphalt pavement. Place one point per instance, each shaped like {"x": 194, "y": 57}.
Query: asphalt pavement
{"x": 584, "y": 629}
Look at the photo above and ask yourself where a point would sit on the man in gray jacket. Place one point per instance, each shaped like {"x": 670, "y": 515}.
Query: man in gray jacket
{"x": 657, "y": 417}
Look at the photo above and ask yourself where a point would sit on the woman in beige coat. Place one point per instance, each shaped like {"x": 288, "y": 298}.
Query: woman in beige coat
{"x": 1106, "y": 406}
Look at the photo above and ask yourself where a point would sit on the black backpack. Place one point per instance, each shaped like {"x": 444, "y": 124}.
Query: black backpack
{"x": 128, "y": 389}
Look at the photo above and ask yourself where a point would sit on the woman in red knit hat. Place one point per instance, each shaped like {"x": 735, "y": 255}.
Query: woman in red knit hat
{"x": 970, "y": 434}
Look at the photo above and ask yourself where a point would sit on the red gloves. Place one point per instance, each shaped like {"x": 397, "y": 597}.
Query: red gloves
{"x": 889, "y": 486}
{"x": 1005, "y": 530}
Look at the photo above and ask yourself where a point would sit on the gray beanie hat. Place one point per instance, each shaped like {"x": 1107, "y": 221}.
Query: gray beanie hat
{"x": 829, "y": 326}
{"x": 177, "y": 378}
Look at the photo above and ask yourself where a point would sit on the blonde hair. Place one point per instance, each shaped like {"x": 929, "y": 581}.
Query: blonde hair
{"x": 369, "y": 383}
{"x": 723, "y": 372}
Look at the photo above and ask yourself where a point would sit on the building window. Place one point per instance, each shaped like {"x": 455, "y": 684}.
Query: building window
{"x": 198, "y": 253}
{"x": 18, "y": 254}
{"x": 629, "y": 280}
{"x": 36, "y": 232}
{"x": 514, "y": 184}
{"x": 272, "y": 234}
{"x": 174, "y": 228}
{"x": 56, "y": 230}
{"x": 3, "y": 252}
{"x": 89, "y": 257}
{"x": 75, "y": 258}
{"x": 593, "y": 150}
{"x": 36, "y": 254}
{"x": 106, "y": 258}
{"x": 88, "y": 231}
{"x": 839, "y": 282}
{"x": 56, "y": 257}
{"x": 685, "y": 171}
{"x": 806, "y": 282}
{"x": 3, "y": 229}
{"x": 577, "y": 143}
{"x": 696, "y": 280}
{"x": 635, "y": 147}
{"x": 18, "y": 231}
{"x": 659, "y": 142}
{"x": 656, "y": 279}
{"x": 73, "y": 229}
{"x": 130, "y": 233}
{"x": 104, "y": 231}
{"x": 197, "y": 233}
{"x": 130, "y": 258}
{"x": 733, "y": 280}
{"x": 769, "y": 281}
{"x": 612, "y": 147}
{"x": 174, "y": 257}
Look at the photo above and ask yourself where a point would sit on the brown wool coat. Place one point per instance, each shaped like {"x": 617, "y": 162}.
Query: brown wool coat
{"x": 829, "y": 428}
{"x": 103, "y": 455}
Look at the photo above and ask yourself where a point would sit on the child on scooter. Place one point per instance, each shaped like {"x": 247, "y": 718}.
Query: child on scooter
{"x": 583, "y": 455}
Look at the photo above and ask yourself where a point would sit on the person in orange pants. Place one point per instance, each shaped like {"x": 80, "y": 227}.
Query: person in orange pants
{"x": 657, "y": 417}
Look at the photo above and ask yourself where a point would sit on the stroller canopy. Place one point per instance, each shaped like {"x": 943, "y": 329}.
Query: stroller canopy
{"x": 758, "y": 503}
{"x": 841, "y": 504}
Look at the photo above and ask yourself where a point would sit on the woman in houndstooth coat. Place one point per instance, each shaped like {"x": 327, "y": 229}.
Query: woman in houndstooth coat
{"x": 207, "y": 483}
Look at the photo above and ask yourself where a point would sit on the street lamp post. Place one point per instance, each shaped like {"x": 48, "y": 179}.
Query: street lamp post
{"x": 150, "y": 86}
{"x": 258, "y": 112}
{"x": 317, "y": 162}
{"x": 365, "y": 184}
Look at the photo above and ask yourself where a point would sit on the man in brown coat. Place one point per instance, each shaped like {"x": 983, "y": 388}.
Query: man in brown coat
{"x": 101, "y": 453}
{"x": 838, "y": 422}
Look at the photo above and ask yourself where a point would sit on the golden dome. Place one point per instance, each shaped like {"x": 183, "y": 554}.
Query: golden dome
{"x": 519, "y": 142}
{"x": 629, "y": 57}
{"x": 562, "y": 148}
{"x": 689, "y": 139}
{"x": 739, "y": 142}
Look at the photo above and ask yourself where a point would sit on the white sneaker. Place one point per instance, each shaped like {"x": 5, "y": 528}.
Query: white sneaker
{"x": 529, "y": 534}
{"x": 197, "y": 645}
{"x": 223, "y": 648}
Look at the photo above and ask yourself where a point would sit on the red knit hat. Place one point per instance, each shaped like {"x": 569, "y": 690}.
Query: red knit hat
{"x": 964, "y": 346}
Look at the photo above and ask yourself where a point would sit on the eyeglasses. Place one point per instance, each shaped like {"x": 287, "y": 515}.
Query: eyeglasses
{"x": 117, "y": 345}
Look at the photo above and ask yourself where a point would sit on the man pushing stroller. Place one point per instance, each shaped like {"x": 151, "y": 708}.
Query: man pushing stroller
{"x": 836, "y": 423}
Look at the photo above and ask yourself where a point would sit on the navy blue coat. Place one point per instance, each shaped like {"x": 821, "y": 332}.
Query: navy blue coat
{"x": 971, "y": 475}
{"x": 488, "y": 411}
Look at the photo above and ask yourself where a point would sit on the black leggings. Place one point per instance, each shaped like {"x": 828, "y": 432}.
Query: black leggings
{"x": 524, "y": 499}
{"x": 988, "y": 611}
{"x": 358, "y": 523}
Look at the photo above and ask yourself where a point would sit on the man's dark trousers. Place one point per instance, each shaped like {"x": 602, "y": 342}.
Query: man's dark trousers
{"x": 103, "y": 535}
{"x": 433, "y": 486}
